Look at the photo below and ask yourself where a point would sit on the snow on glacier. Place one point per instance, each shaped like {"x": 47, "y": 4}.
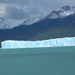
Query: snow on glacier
{"x": 67, "y": 41}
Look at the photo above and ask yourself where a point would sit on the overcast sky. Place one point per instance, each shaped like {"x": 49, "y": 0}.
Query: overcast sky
{"x": 20, "y": 9}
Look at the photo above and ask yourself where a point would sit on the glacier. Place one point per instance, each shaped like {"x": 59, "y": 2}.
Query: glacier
{"x": 67, "y": 41}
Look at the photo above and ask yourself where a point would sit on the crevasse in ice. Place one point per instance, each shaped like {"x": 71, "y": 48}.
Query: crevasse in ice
{"x": 67, "y": 41}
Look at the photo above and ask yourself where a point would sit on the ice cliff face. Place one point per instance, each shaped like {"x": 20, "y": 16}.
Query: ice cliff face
{"x": 68, "y": 41}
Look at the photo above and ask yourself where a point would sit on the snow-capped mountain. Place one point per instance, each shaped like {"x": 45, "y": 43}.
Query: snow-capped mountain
{"x": 7, "y": 23}
{"x": 30, "y": 21}
{"x": 62, "y": 12}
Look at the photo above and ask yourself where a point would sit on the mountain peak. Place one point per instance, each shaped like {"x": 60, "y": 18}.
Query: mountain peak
{"x": 66, "y": 8}
{"x": 62, "y": 12}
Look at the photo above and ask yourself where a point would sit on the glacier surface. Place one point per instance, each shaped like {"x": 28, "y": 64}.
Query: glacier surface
{"x": 67, "y": 41}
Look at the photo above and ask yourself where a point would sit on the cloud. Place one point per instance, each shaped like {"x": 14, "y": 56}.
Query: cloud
{"x": 15, "y": 12}
{"x": 14, "y": 1}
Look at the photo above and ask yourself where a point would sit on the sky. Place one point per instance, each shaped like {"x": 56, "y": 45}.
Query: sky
{"x": 21, "y": 9}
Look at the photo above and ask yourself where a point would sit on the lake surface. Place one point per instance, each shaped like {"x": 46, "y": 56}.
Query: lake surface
{"x": 38, "y": 61}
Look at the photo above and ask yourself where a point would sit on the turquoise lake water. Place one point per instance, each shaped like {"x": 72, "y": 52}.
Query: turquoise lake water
{"x": 38, "y": 61}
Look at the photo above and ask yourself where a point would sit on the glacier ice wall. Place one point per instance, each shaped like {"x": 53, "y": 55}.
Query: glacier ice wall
{"x": 67, "y": 41}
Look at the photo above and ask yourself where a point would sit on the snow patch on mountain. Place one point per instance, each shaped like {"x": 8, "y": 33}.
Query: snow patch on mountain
{"x": 30, "y": 21}
{"x": 7, "y": 23}
{"x": 62, "y": 12}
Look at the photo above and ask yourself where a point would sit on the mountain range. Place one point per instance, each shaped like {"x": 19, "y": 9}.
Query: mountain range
{"x": 57, "y": 24}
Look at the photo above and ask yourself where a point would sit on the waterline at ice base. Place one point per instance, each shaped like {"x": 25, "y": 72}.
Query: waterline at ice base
{"x": 58, "y": 42}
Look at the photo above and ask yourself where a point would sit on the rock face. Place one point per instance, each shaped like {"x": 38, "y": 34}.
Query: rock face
{"x": 0, "y": 44}
{"x": 68, "y": 41}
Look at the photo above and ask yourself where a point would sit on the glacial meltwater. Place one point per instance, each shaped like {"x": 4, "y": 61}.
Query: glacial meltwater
{"x": 38, "y": 61}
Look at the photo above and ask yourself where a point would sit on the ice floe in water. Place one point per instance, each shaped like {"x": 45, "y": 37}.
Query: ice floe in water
{"x": 67, "y": 41}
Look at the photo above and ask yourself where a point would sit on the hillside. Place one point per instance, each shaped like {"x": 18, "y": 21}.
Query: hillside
{"x": 45, "y": 29}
